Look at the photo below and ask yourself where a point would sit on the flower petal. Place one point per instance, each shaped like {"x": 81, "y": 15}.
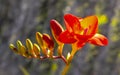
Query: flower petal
{"x": 91, "y": 23}
{"x": 72, "y": 23}
{"x": 56, "y": 28}
{"x": 67, "y": 37}
{"x": 82, "y": 39}
{"x": 99, "y": 39}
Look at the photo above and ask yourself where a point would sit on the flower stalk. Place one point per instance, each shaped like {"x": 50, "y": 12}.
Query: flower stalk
{"x": 78, "y": 32}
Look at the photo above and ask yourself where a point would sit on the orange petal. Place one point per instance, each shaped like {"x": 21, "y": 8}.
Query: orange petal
{"x": 99, "y": 39}
{"x": 56, "y": 28}
{"x": 72, "y": 23}
{"x": 66, "y": 37}
{"x": 48, "y": 41}
{"x": 90, "y": 22}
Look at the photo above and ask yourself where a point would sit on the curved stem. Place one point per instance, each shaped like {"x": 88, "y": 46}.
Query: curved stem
{"x": 62, "y": 57}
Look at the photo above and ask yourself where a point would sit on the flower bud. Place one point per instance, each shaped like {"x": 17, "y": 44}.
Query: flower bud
{"x": 13, "y": 48}
{"x": 29, "y": 47}
{"x": 29, "y": 44}
{"x": 36, "y": 49}
{"x": 39, "y": 38}
{"x": 19, "y": 45}
{"x": 23, "y": 51}
{"x": 56, "y": 29}
{"x": 48, "y": 42}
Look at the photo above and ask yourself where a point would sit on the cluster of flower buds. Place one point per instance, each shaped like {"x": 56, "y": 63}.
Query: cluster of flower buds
{"x": 33, "y": 50}
{"x": 44, "y": 45}
{"x": 78, "y": 32}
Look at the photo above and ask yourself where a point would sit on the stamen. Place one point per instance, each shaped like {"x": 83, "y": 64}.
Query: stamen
{"x": 85, "y": 31}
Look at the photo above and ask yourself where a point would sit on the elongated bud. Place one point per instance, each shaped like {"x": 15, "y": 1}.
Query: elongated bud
{"x": 30, "y": 47}
{"x": 48, "y": 41}
{"x": 13, "y": 48}
{"x": 36, "y": 49}
{"x": 56, "y": 29}
{"x": 39, "y": 38}
{"x": 23, "y": 51}
{"x": 29, "y": 44}
{"x": 19, "y": 44}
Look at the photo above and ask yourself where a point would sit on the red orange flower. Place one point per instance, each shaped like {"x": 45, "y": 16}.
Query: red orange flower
{"x": 82, "y": 30}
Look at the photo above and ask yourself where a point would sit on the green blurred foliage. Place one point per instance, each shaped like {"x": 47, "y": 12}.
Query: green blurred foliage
{"x": 102, "y": 19}
{"x": 24, "y": 71}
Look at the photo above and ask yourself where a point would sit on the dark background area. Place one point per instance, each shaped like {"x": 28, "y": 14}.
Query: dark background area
{"x": 21, "y": 19}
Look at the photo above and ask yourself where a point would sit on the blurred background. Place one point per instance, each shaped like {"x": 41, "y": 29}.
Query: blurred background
{"x": 21, "y": 19}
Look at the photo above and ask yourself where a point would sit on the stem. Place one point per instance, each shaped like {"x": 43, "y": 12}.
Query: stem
{"x": 65, "y": 70}
{"x": 60, "y": 49}
{"x": 62, "y": 57}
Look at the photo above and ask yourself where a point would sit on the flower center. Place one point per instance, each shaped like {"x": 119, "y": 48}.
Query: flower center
{"x": 85, "y": 31}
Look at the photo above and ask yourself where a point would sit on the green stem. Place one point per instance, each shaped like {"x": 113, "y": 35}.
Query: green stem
{"x": 65, "y": 70}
